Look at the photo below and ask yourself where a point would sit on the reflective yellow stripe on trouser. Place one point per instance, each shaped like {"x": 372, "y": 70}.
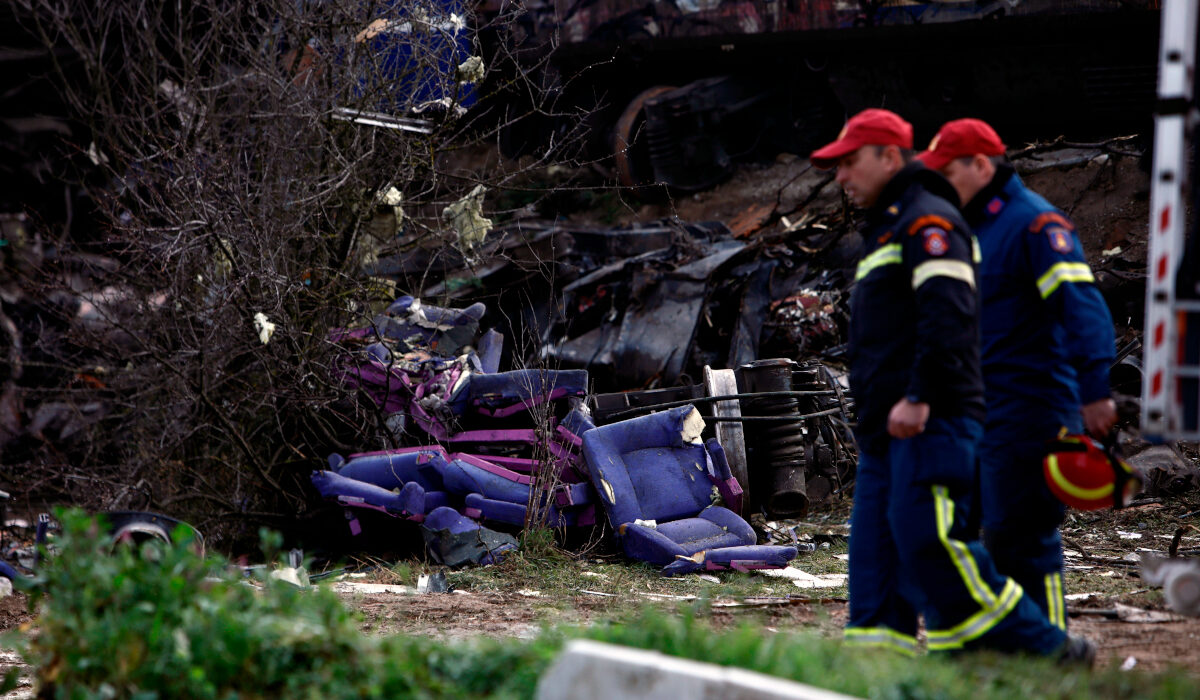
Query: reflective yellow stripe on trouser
{"x": 1063, "y": 272}
{"x": 881, "y": 637}
{"x": 993, "y": 608}
{"x": 1055, "y": 609}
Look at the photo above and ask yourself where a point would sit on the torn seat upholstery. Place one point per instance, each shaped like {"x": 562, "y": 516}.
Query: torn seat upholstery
{"x": 493, "y": 492}
{"x": 401, "y": 482}
{"x": 658, "y": 483}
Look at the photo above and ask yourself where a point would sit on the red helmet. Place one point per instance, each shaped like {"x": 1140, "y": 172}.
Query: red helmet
{"x": 1084, "y": 475}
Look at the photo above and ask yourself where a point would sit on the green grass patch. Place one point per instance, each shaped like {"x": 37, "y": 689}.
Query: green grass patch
{"x": 158, "y": 621}
{"x": 872, "y": 673}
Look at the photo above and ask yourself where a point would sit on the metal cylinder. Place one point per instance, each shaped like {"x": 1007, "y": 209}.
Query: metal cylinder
{"x": 777, "y": 452}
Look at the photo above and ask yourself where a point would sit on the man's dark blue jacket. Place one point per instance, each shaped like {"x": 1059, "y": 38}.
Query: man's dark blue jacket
{"x": 1047, "y": 333}
{"x": 914, "y": 323}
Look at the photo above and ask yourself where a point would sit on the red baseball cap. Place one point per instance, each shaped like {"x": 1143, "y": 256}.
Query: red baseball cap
{"x": 870, "y": 127}
{"x": 961, "y": 138}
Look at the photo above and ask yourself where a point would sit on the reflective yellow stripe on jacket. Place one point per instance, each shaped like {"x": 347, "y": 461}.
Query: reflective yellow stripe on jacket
{"x": 954, "y": 269}
{"x": 1063, "y": 272}
{"x": 889, "y": 254}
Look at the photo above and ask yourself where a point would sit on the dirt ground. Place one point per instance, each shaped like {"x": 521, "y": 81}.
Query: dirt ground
{"x": 13, "y": 612}
{"x": 1152, "y": 646}
{"x": 1127, "y": 620}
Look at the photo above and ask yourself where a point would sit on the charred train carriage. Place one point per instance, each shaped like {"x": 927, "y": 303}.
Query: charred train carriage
{"x": 678, "y": 89}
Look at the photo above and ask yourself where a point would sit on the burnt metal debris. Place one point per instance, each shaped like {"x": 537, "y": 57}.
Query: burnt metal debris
{"x": 690, "y": 86}
{"x": 23, "y": 542}
{"x": 473, "y": 447}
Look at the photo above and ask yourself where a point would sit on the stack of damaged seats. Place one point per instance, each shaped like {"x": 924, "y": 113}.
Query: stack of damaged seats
{"x": 519, "y": 447}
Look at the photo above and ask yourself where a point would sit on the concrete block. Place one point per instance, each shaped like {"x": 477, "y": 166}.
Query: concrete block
{"x": 593, "y": 671}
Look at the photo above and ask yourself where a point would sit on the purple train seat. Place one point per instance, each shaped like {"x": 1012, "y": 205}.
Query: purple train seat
{"x": 577, "y": 422}
{"x": 658, "y": 483}
{"x": 506, "y": 393}
{"x": 431, "y": 391}
{"x": 444, "y": 331}
{"x": 392, "y": 469}
{"x": 523, "y": 440}
{"x": 410, "y": 501}
{"x": 487, "y": 352}
{"x": 493, "y": 492}
{"x": 400, "y": 482}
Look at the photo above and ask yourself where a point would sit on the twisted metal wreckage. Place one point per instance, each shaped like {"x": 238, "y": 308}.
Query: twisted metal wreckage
{"x": 676, "y": 470}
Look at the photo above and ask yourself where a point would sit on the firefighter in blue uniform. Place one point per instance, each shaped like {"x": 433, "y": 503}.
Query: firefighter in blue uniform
{"x": 915, "y": 375}
{"x": 1047, "y": 348}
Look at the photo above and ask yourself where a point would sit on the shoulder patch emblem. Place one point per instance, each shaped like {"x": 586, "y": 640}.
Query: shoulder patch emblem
{"x": 994, "y": 206}
{"x": 936, "y": 243}
{"x": 1050, "y": 217}
{"x": 1060, "y": 239}
{"x": 929, "y": 220}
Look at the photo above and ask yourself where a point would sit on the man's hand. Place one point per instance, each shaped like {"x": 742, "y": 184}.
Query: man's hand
{"x": 1098, "y": 417}
{"x": 907, "y": 419}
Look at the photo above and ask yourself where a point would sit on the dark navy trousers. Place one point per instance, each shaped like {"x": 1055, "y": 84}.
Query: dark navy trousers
{"x": 912, "y": 553}
{"x": 1021, "y": 517}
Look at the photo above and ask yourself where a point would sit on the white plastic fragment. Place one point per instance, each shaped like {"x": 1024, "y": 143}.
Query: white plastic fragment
{"x": 466, "y": 216}
{"x": 433, "y": 583}
{"x": 1129, "y": 663}
{"x": 589, "y": 670}
{"x": 350, "y": 587}
{"x": 693, "y": 426}
{"x": 393, "y": 198}
{"x": 803, "y": 579}
{"x": 652, "y": 524}
{"x": 1128, "y": 613}
{"x": 1180, "y": 579}
{"x": 287, "y": 574}
{"x": 95, "y": 155}
{"x": 470, "y": 70}
{"x": 264, "y": 327}
{"x": 608, "y": 491}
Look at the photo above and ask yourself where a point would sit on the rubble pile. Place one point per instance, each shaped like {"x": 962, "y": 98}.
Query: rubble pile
{"x": 520, "y": 447}
{"x": 647, "y": 305}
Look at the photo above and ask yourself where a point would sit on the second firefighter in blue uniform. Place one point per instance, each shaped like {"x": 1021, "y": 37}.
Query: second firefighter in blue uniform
{"x": 1047, "y": 348}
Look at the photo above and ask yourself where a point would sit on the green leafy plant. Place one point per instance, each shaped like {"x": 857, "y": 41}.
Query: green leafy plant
{"x": 157, "y": 620}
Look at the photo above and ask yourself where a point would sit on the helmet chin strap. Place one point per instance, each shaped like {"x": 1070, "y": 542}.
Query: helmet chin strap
{"x": 1124, "y": 475}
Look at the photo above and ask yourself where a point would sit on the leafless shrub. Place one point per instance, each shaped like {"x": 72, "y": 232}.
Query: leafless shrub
{"x": 252, "y": 156}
